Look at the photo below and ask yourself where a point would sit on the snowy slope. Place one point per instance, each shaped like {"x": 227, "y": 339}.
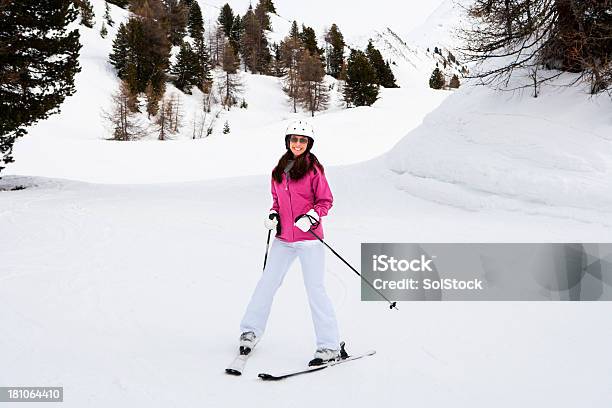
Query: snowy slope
{"x": 489, "y": 149}
{"x": 412, "y": 64}
{"x": 131, "y": 296}
{"x": 255, "y": 140}
{"x": 441, "y": 27}
{"x": 72, "y": 145}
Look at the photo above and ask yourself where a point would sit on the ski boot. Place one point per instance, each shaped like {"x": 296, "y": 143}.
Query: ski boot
{"x": 325, "y": 355}
{"x": 248, "y": 340}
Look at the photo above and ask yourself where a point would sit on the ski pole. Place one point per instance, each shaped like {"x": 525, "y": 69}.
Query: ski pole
{"x": 267, "y": 245}
{"x": 391, "y": 304}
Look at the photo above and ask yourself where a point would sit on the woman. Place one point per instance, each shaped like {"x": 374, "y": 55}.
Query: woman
{"x": 300, "y": 197}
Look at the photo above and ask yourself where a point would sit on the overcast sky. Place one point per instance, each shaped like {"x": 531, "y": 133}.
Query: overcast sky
{"x": 354, "y": 17}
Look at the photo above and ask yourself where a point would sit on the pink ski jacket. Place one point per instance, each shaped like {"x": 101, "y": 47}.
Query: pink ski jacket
{"x": 291, "y": 198}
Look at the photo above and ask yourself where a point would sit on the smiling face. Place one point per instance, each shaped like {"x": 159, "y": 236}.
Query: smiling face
{"x": 298, "y": 144}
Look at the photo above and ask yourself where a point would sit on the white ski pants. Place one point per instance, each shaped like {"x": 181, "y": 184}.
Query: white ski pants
{"x": 312, "y": 257}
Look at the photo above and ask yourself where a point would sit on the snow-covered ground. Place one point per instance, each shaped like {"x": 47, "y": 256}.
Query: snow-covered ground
{"x": 255, "y": 141}
{"x": 125, "y": 267}
{"x": 130, "y": 295}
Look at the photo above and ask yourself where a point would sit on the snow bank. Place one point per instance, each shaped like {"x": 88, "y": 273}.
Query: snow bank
{"x": 487, "y": 149}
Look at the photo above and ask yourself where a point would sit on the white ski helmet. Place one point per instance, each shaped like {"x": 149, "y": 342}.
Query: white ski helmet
{"x": 300, "y": 127}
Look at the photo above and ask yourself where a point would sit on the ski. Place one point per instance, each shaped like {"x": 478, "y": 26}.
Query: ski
{"x": 237, "y": 366}
{"x": 270, "y": 377}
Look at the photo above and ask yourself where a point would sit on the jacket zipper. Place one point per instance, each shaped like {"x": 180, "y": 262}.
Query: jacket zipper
{"x": 290, "y": 205}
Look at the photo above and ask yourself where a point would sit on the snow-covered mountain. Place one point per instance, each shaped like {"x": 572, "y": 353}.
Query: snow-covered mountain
{"x": 49, "y": 148}
{"x": 441, "y": 27}
{"x": 353, "y": 17}
{"x": 412, "y": 65}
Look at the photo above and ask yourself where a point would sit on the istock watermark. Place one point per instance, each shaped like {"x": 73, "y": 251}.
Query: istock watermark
{"x": 382, "y": 263}
{"x": 487, "y": 271}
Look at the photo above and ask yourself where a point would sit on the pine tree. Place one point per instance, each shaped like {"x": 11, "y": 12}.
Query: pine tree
{"x": 141, "y": 52}
{"x": 216, "y": 40}
{"x": 313, "y": 94}
{"x": 291, "y": 49}
{"x": 261, "y": 12}
{"x": 254, "y": 45}
{"x": 226, "y": 128}
{"x": 309, "y": 39}
{"x": 236, "y": 33}
{"x": 361, "y": 86}
{"x": 248, "y": 43}
{"x": 383, "y": 70}
{"x": 203, "y": 75}
{"x": 229, "y": 85}
{"x": 38, "y": 62}
{"x": 335, "y": 54}
{"x": 196, "y": 23}
{"x": 149, "y": 9}
{"x": 270, "y": 6}
{"x": 103, "y": 30}
{"x": 454, "y": 82}
{"x": 226, "y": 19}
{"x": 153, "y": 98}
{"x": 295, "y": 31}
{"x": 87, "y": 13}
{"x": 436, "y": 81}
{"x": 121, "y": 46}
{"x": 387, "y": 78}
{"x": 107, "y": 15}
{"x": 343, "y": 72}
{"x": 264, "y": 57}
{"x": 277, "y": 68}
{"x": 175, "y": 20}
{"x": 186, "y": 68}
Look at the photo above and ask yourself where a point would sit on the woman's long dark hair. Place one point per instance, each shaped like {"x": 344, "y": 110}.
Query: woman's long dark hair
{"x": 303, "y": 164}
